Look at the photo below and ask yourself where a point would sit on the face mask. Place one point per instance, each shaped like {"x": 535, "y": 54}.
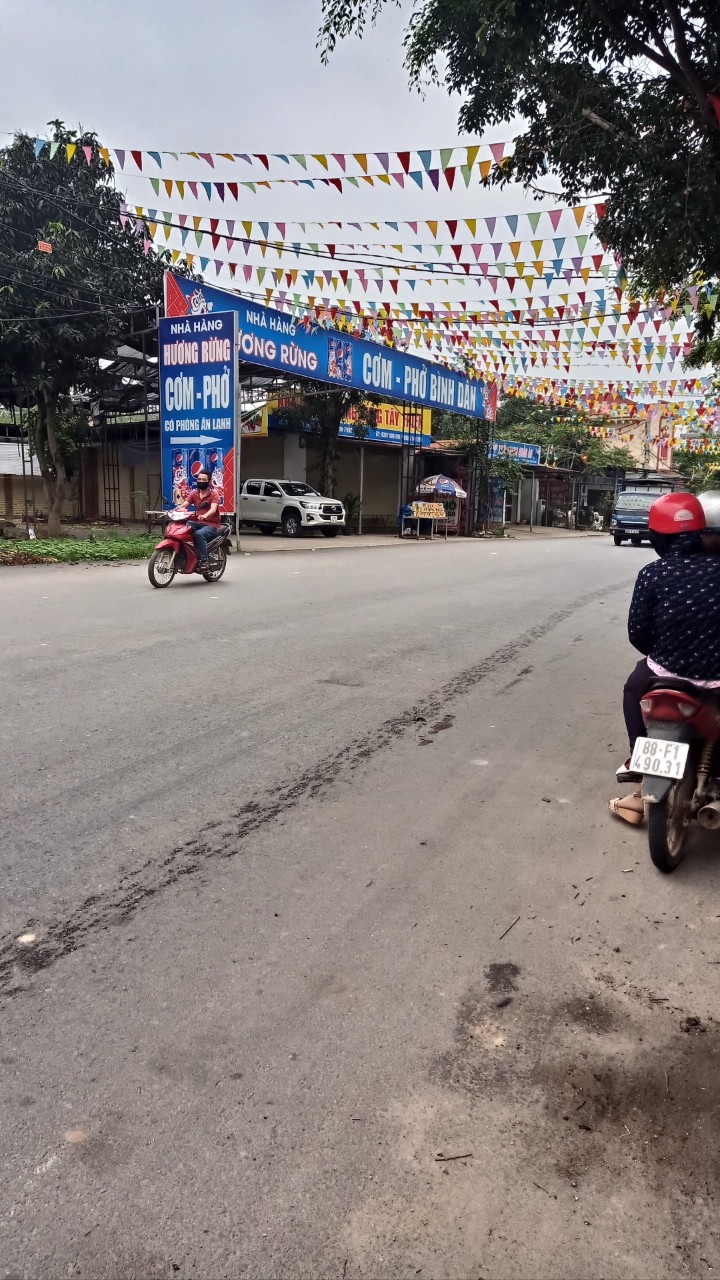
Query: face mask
{"x": 203, "y": 484}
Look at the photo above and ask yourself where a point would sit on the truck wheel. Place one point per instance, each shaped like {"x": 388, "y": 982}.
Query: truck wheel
{"x": 618, "y": 540}
{"x": 636, "y": 542}
{"x": 291, "y": 524}
{"x": 330, "y": 533}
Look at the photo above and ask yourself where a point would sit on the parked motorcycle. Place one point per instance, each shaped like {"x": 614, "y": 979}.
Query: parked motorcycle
{"x": 679, "y": 765}
{"x": 175, "y": 553}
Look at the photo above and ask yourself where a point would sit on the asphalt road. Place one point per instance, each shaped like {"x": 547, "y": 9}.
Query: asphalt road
{"x": 335, "y": 964}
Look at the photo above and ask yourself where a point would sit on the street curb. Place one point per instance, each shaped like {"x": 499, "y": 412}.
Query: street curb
{"x": 339, "y": 546}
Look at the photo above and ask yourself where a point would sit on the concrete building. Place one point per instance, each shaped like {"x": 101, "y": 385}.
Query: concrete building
{"x": 118, "y": 479}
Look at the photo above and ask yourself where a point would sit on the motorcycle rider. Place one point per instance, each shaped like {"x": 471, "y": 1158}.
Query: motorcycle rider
{"x": 674, "y": 620}
{"x": 206, "y": 501}
{"x": 710, "y": 503}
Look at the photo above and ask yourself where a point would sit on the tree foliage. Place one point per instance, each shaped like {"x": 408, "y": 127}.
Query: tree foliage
{"x": 567, "y": 436}
{"x": 473, "y": 436}
{"x": 701, "y": 470}
{"x": 60, "y": 312}
{"x": 619, "y": 98}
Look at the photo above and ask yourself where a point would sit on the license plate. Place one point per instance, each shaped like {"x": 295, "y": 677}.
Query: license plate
{"x": 658, "y": 757}
{"x": 633, "y": 530}
{"x": 334, "y": 519}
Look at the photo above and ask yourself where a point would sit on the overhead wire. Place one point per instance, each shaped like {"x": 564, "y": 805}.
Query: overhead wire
{"x": 380, "y": 261}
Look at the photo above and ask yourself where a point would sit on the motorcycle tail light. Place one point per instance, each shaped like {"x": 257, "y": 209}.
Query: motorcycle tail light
{"x": 666, "y": 704}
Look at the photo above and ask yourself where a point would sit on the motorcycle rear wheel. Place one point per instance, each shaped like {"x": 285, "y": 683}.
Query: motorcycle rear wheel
{"x": 162, "y": 567}
{"x": 669, "y": 823}
{"x": 217, "y": 565}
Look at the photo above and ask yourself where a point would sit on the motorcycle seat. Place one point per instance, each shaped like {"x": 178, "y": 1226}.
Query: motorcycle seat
{"x": 683, "y": 686}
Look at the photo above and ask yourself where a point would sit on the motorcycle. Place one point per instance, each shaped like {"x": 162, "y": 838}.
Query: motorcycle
{"x": 175, "y": 553}
{"x": 676, "y": 760}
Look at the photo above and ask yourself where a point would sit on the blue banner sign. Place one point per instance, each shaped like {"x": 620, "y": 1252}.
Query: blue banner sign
{"x": 527, "y": 453}
{"x": 198, "y": 396}
{"x": 281, "y": 342}
{"x": 391, "y": 424}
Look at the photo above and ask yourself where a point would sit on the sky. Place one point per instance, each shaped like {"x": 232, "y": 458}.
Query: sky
{"x": 245, "y": 76}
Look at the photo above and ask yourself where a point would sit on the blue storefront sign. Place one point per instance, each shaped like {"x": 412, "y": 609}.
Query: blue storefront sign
{"x": 385, "y": 435}
{"x": 198, "y": 393}
{"x": 281, "y": 342}
{"x": 529, "y": 454}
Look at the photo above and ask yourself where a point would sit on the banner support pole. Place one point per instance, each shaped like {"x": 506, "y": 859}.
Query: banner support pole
{"x": 237, "y": 446}
{"x": 362, "y": 488}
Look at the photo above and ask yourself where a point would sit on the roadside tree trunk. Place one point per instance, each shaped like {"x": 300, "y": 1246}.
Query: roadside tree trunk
{"x": 331, "y": 411}
{"x": 329, "y": 455}
{"x": 52, "y": 468}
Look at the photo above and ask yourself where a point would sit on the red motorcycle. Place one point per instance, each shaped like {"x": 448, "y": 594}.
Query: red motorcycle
{"x": 175, "y": 553}
{"x": 679, "y": 766}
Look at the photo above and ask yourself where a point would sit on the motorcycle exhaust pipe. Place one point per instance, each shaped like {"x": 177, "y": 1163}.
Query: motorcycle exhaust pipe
{"x": 709, "y": 816}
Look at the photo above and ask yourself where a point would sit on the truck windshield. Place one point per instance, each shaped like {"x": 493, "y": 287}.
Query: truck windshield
{"x": 634, "y": 501}
{"x": 295, "y": 489}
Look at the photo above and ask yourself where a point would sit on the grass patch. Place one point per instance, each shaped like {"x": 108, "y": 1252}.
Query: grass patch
{"x": 77, "y": 551}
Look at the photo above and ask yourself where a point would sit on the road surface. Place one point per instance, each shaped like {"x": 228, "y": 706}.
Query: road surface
{"x": 319, "y": 952}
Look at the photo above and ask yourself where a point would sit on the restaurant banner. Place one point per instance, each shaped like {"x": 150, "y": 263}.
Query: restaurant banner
{"x": 198, "y": 397}
{"x": 279, "y": 341}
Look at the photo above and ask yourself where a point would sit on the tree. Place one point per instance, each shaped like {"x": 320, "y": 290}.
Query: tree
{"x": 699, "y": 460}
{"x": 620, "y": 99}
{"x": 699, "y": 466}
{"x": 323, "y": 412}
{"x": 568, "y": 437}
{"x": 63, "y": 309}
{"x": 473, "y": 435}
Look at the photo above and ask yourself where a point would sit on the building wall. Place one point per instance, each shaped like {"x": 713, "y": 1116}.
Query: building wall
{"x": 277, "y": 455}
{"x": 382, "y": 479}
{"x": 138, "y": 486}
{"x": 12, "y": 501}
{"x": 646, "y": 440}
{"x": 263, "y": 458}
{"x": 381, "y": 476}
{"x": 294, "y": 457}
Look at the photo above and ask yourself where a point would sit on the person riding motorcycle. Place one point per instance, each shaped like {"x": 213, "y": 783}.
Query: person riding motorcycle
{"x": 710, "y": 503}
{"x": 206, "y": 502}
{"x": 674, "y": 620}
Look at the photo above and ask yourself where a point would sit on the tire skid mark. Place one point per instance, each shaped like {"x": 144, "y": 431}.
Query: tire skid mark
{"x": 97, "y": 912}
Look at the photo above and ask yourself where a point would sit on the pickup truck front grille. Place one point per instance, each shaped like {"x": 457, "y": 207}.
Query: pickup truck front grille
{"x": 332, "y": 509}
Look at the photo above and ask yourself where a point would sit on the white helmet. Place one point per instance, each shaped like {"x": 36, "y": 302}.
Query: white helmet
{"x": 710, "y": 503}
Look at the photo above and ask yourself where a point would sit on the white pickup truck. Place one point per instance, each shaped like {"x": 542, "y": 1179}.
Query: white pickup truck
{"x": 290, "y": 505}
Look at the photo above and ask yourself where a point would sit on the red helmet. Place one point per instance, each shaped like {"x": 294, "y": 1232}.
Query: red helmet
{"x": 677, "y": 513}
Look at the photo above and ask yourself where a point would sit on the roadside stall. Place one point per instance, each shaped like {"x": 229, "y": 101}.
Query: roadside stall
{"x": 441, "y": 490}
{"x": 422, "y": 514}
